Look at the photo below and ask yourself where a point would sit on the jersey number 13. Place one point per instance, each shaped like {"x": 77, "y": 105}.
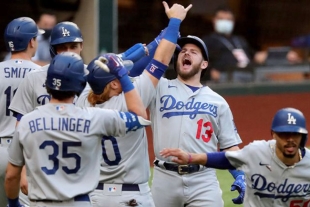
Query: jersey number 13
{"x": 204, "y": 130}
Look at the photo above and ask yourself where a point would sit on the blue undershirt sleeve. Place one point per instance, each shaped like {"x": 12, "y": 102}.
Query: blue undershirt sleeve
{"x": 218, "y": 160}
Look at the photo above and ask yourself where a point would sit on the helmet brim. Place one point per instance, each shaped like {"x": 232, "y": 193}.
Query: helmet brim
{"x": 190, "y": 40}
{"x": 296, "y": 129}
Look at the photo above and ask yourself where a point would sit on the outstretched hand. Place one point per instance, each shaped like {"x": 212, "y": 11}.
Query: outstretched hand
{"x": 176, "y": 11}
{"x": 178, "y": 156}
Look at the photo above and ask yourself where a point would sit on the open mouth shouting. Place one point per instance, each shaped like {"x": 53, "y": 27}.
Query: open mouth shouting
{"x": 186, "y": 62}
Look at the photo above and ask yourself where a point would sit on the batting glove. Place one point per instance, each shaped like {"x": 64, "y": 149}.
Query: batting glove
{"x": 113, "y": 64}
{"x": 240, "y": 186}
{"x": 134, "y": 53}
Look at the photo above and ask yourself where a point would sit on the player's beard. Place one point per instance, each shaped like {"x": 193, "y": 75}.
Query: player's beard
{"x": 289, "y": 155}
{"x": 185, "y": 75}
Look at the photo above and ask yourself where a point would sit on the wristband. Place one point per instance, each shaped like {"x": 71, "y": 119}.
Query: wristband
{"x": 126, "y": 83}
{"x": 189, "y": 158}
{"x": 156, "y": 68}
{"x": 172, "y": 33}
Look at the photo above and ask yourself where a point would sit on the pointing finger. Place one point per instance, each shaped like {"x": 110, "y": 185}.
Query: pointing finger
{"x": 189, "y": 7}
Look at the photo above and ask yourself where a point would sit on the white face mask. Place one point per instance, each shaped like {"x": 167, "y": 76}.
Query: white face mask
{"x": 224, "y": 26}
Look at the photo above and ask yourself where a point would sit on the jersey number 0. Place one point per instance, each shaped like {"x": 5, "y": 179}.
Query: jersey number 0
{"x": 115, "y": 149}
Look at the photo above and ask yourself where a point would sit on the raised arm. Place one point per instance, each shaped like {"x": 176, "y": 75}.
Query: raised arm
{"x": 113, "y": 64}
{"x": 167, "y": 45}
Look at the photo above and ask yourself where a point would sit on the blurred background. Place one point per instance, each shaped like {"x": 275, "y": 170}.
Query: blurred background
{"x": 275, "y": 27}
{"x": 271, "y": 26}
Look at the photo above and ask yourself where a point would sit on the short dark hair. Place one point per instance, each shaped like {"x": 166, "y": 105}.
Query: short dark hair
{"x": 60, "y": 95}
{"x": 223, "y": 8}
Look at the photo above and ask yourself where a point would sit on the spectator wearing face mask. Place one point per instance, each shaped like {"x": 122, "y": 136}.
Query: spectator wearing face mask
{"x": 230, "y": 56}
{"x": 46, "y": 22}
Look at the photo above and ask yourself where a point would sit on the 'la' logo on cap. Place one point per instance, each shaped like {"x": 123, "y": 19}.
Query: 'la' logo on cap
{"x": 65, "y": 32}
{"x": 291, "y": 119}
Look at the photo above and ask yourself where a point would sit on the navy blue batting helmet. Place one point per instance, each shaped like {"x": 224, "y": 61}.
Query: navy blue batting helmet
{"x": 66, "y": 73}
{"x": 290, "y": 120}
{"x": 97, "y": 78}
{"x": 190, "y": 39}
{"x": 64, "y": 32}
{"x": 19, "y": 32}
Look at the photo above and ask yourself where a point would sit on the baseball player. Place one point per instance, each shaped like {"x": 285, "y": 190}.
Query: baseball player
{"x": 187, "y": 115}
{"x": 65, "y": 36}
{"x": 60, "y": 143}
{"x": 276, "y": 170}
{"x": 21, "y": 40}
{"x": 125, "y": 167}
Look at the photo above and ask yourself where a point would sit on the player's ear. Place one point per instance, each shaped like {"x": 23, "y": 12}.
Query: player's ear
{"x": 115, "y": 84}
{"x": 204, "y": 64}
{"x": 32, "y": 42}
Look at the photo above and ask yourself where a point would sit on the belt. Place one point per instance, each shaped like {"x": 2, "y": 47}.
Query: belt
{"x": 83, "y": 197}
{"x": 180, "y": 169}
{"x": 125, "y": 187}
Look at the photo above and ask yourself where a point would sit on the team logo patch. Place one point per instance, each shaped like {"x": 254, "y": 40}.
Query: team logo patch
{"x": 60, "y": 108}
{"x": 112, "y": 189}
{"x": 18, "y": 61}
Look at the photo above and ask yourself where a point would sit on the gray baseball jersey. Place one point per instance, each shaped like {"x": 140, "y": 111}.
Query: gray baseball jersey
{"x": 32, "y": 92}
{"x": 195, "y": 122}
{"x": 60, "y": 145}
{"x": 124, "y": 159}
{"x": 201, "y": 119}
{"x": 12, "y": 72}
{"x": 269, "y": 181}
